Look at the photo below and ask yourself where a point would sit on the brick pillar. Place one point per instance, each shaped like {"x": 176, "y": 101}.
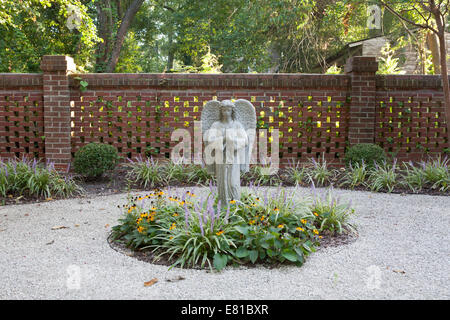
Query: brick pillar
{"x": 57, "y": 109}
{"x": 361, "y": 124}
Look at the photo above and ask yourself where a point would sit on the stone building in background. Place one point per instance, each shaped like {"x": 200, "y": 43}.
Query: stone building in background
{"x": 409, "y": 61}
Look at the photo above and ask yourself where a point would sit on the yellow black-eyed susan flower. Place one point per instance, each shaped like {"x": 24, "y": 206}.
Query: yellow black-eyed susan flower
{"x": 232, "y": 201}
{"x": 300, "y": 229}
{"x": 315, "y": 213}
{"x": 220, "y": 232}
{"x": 280, "y": 226}
{"x": 140, "y": 229}
{"x": 173, "y": 226}
{"x": 303, "y": 221}
{"x": 315, "y": 231}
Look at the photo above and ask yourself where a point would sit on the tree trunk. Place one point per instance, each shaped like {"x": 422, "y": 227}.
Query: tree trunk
{"x": 444, "y": 72}
{"x": 170, "y": 55}
{"x": 121, "y": 33}
{"x": 432, "y": 42}
{"x": 104, "y": 31}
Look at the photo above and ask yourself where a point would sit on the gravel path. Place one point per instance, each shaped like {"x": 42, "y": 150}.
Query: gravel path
{"x": 402, "y": 252}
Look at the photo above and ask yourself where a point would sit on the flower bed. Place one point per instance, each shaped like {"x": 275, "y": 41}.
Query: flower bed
{"x": 261, "y": 227}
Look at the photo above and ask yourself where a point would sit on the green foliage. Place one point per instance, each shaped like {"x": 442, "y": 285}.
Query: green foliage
{"x": 30, "y": 178}
{"x": 331, "y": 215}
{"x": 209, "y": 64}
{"x": 152, "y": 173}
{"x": 147, "y": 173}
{"x": 263, "y": 175}
{"x": 384, "y": 176}
{"x": 355, "y": 175}
{"x": 94, "y": 159}
{"x": 368, "y": 152}
{"x": 30, "y": 29}
{"x": 388, "y": 64}
{"x": 334, "y": 70}
{"x": 413, "y": 177}
{"x": 436, "y": 173}
{"x": 319, "y": 173}
{"x": 296, "y": 173}
{"x": 187, "y": 231}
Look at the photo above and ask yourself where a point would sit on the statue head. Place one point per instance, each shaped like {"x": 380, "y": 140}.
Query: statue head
{"x": 226, "y": 105}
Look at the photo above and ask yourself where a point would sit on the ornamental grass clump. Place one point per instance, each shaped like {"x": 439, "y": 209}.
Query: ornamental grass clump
{"x": 197, "y": 173}
{"x": 330, "y": 215}
{"x": 296, "y": 173}
{"x": 30, "y": 177}
{"x": 436, "y": 173}
{"x": 262, "y": 226}
{"x": 413, "y": 177}
{"x": 145, "y": 172}
{"x": 356, "y": 175}
{"x": 384, "y": 176}
{"x": 319, "y": 173}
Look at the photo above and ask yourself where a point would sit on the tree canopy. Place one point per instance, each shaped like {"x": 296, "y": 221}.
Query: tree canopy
{"x": 192, "y": 36}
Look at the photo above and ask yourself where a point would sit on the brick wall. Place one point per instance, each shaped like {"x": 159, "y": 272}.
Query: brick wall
{"x": 315, "y": 114}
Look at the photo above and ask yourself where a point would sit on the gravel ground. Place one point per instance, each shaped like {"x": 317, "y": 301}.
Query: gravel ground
{"x": 402, "y": 252}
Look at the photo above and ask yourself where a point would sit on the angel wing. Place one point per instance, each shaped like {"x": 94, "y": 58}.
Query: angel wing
{"x": 246, "y": 114}
{"x": 210, "y": 114}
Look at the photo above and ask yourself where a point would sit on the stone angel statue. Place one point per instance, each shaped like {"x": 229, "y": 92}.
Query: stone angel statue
{"x": 229, "y": 130}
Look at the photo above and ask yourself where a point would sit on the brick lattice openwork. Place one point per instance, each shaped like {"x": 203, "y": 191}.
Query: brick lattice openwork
{"x": 51, "y": 116}
{"x": 147, "y": 109}
{"x": 21, "y": 116}
{"x": 410, "y": 117}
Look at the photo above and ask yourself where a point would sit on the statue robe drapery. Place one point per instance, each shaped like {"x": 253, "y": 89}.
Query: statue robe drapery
{"x": 231, "y": 140}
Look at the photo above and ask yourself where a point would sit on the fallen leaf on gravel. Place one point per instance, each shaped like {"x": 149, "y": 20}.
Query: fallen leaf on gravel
{"x": 77, "y": 225}
{"x": 60, "y": 227}
{"x": 399, "y": 271}
{"x": 106, "y": 225}
{"x": 175, "y": 279}
{"x": 51, "y": 242}
{"x": 26, "y": 214}
{"x": 10, "y": 195}
{"x": 151, "y": 282}
{"x": 48, "y": 199}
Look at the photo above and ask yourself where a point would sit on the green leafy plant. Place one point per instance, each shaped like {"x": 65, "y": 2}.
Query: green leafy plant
{"x": 197, "y": 173}
{"x": 187, "y": 231}
{"x": 384, "y": 176}
{"x": 173, "y": 171}
{"x": 413, "y": 177}
{"x": 369, "y": 152}
{"x": 145, "y": 172}
{"x": 319, "y": 172}
{"x": 388, "y": 64}
{"x": 296, "y": 173}
{"x": 355, "y": 175}
{"x": 94, "y": 159}
{"x": 334, "y": 69}
{"x": 330, "y": 215}
{"x": 263, "y": 175}
{"x": 29, "y": 177}
{"x": 436, "y": 173}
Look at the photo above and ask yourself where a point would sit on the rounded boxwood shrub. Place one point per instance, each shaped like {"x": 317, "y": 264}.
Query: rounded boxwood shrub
{"x": 94, "y": 159}
{"x": 368, "y": 152}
